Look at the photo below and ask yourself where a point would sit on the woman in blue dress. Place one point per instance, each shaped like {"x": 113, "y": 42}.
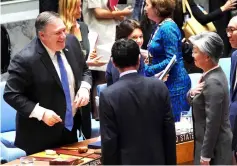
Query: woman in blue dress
{"x": 166, "y": 42}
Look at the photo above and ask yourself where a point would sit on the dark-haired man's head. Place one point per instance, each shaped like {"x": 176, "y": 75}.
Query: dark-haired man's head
{"x": 126, "y": 55}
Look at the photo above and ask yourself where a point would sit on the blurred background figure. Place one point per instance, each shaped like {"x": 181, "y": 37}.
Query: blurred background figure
{"x": 210, "y": 103}
{"x": 218, "y": 14}
{"x": 166, "y": 41}
{"x": 70, "y": 12}
{"x": 101, "y": 19}
{"x": 138, "y": 6}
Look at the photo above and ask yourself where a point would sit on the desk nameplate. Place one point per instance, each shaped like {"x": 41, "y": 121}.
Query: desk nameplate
{"x": 180, "y": 138}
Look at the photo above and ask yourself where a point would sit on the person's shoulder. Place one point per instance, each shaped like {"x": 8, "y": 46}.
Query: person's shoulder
{"x": 216, "y": 76}
{"x": 234, "y": 54}
{"x": 169, "y": 26}
{"x": 154, "y": 81}
{"x": 115, "y": 88}
{"x": 29, "y": 50}
{"x": 71, "y": 39}
{"x": 156, "y": 84}
{"x": 29, "y": 54}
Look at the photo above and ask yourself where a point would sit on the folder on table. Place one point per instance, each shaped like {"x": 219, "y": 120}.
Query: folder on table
{"x": 95, "y": 145}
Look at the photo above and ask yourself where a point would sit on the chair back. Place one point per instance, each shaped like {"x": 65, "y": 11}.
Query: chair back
{"x": 8, "y": 114}
{"x": 225, "y": 64}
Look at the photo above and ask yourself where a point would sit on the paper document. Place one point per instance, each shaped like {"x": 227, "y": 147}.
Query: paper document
{"x": 168, "y": 67}
{"x": 92, "y": 36}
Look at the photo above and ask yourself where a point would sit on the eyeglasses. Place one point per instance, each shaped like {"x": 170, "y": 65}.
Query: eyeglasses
{"x": 230, "y": 30}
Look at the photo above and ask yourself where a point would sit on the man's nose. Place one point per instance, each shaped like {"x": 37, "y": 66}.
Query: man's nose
{"x": 63, "y": 35}
{"x": 229, "y": 34}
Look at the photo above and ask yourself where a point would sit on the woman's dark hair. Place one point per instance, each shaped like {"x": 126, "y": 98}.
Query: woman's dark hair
{"x": 6, "y": 49}
{"x": 125, "y": 28}
{"x": 178, "y": 15}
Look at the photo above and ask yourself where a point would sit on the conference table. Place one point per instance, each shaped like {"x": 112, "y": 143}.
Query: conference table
{"x": 184, "y": 148}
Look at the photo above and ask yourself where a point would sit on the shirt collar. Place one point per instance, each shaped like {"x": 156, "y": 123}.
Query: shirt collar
{"x": 50, "y": 52}
{"x": 127, "y": 72}
{"x": 210, "y": 70}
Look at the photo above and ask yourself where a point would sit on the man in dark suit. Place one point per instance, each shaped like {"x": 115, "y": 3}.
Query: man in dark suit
{"x": 231, "y": 31}
{"x": 136, "y": 121}
{"x": 48, "y": 81}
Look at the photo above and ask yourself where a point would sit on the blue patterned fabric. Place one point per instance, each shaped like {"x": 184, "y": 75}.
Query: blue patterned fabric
{"x": 166, "y": 43}
{"x": 65, "y": 84}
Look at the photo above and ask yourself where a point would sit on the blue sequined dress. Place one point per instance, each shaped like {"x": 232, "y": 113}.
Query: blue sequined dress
{"x": 165, "y": 43}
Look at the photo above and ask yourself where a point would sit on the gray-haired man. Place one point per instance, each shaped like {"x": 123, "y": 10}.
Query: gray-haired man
{"x": 48, "y": 81}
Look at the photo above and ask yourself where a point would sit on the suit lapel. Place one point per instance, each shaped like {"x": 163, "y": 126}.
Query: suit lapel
{"x": 45, "y": 58}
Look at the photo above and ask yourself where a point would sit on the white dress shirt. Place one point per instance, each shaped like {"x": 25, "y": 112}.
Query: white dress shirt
{"x": 127, "y": 72}
{"x": 39, "y": 111}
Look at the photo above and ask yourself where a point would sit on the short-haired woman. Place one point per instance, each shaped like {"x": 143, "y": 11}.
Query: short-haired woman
{"x": 210, "y": 102}
{"x": 164, "y": 44}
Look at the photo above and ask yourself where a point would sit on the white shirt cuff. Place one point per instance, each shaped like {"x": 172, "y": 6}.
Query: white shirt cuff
{"x": 38, "y": 112}
{"x": 86, "y": 85}
{"x": 205, "y": 159}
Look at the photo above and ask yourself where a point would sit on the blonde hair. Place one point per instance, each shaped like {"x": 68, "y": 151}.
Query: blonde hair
{"x": 164, "y": 8}
{"x": 66, "y": 12}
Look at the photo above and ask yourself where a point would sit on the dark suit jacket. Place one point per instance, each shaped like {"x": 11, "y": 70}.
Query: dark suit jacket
{"x": 112, "y": 73}
{"x": 233, "y": 100}
{"x": 33, "y": 79}
{"x": 136, "y": 122}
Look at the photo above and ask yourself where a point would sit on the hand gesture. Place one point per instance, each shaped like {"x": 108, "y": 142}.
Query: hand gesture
{"x": 202, "y": 162}
{"x": 51, "y": 118}
{"x": 230, "y": 4}
{"x": 198, "y": 88}
{"x": 96, "y": 62}
{"x": 127, "y": 11}
{"x": 160, "y": 73}
{"x": 82, "y": 97}
{"x": 93, "y": 54}
{"x": 144, "y": 53}
{"x": 119, "y": 18}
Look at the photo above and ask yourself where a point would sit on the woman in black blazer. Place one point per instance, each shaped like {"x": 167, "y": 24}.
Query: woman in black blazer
{"x": 199, "y": 15}
{"x": 212, "y": 16}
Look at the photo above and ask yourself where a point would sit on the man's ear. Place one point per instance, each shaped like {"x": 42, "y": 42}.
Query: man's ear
{"x": 41, "y": 35}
